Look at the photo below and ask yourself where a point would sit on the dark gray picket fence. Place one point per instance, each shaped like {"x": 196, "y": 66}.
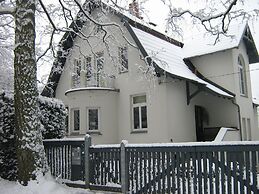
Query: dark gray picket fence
{"x": 197, "y": 168}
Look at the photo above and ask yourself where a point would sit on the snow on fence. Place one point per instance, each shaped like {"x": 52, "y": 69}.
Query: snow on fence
{"x": 158, "y": 168}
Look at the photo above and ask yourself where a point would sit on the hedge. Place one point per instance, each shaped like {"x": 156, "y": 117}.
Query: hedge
{"x": 52, "y": 117}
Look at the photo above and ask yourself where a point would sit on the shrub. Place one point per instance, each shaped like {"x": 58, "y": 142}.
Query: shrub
{"x": 52, "y": 117}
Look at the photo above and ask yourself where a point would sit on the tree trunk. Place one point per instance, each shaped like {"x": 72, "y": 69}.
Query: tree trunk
{"x": 30, "y": 150}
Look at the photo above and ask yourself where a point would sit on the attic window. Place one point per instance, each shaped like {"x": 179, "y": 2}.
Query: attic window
{"x": 123, "y": 59}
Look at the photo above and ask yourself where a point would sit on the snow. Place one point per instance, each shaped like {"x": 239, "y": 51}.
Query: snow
{"x": 221, "y": 134}
{"x": 89, "y": 88}
{"x": 106, "y": 146}
{"x": 170, "y": 57}
{"x": 190, "y": 144}
{"x": 205, "y": 43}
{"x": 66, "y": 139}
{"x": 44, "y": 185}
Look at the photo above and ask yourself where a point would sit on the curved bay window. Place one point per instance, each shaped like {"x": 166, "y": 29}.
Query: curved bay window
{"x": 242, "y": 75}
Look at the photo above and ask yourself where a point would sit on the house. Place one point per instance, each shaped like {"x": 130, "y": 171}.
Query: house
{"x": 126, "y": 80}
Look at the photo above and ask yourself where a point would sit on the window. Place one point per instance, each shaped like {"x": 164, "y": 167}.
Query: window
{"x": 76, "y": 73}
{"x": 123, "y": 58}
{"x": 242, "y": 75}
{"x": 139, "y": 112}
{"x": 99, "y": 67}
{"x": 99, "y": 61}
{"x": 88, "y": 68}
{"x": 93, "y": 119}
{"x": 66, "y": 119}
{"x": 76, "y": 119}
{"x": 244, "y": 129}
{"x": 249, "y": 135}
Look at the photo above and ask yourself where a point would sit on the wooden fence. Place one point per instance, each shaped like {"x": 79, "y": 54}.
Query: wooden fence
{"x": 197, "y": 168}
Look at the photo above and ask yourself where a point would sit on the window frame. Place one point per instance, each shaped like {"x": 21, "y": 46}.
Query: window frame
{"x": 98, "y": 70}
{"x": 249, "y": 129}
{"x": 99, "y": 56}
{"x": 88, "y": 120}
{"x": 122, "y": 67}
{"x": 77, "y": 72}
{"x": 244, "y": 138}
{"x": 242, "y": 76}
{"x": 139, "y": 106}
{"x": 88, "y": 67}
{"x": 73, "y": 120}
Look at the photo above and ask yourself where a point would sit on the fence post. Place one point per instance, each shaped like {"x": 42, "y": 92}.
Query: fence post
{"x": 124, "y": 169}
{"x": 87, "y": 160}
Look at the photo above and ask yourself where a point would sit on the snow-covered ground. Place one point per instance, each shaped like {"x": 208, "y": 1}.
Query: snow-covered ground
{"x": 44, "y": 185}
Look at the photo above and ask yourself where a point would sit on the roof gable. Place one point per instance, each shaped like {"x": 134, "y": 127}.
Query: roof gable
{"x": 169, "y": 58}
{"x": 205, "y": 43}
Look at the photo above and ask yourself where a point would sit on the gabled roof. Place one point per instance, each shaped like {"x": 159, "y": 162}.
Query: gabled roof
{"x": 203, "y": 44}
{"x": 169, "y": 57}
{"x": 166, "y": 52}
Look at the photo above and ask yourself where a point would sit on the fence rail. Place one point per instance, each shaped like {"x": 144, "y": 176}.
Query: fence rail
{"x": 152, "y": 168}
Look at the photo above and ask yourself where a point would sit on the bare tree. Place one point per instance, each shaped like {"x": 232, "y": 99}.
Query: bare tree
{"x": 214, "y": 16}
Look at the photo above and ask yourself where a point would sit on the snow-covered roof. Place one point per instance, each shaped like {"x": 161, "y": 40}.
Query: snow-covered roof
{"x": 203, "y": 44}
{"x": 169, "y": 57}
{"x": 254, "y": 74}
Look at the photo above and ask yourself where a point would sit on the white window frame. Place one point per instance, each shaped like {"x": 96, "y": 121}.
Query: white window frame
{"x": 242, "y": 76}
{"x": 87, "y": 119}
{"x": 73, "y": 120}
{"x": 139, "y": 105}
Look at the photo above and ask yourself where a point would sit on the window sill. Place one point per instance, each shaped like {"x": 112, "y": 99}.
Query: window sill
{"x": 75, "y": 133}
{"x": 139, "y": 131}
{"x": 123, "y": 71}
{"x": 244, "y": 95}
{"x": 94, "y": 132}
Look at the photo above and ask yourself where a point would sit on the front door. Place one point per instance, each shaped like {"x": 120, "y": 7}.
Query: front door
{"x": 199, "y": 123}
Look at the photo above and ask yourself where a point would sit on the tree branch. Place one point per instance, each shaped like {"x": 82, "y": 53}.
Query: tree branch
{"x": 47, "y": 14}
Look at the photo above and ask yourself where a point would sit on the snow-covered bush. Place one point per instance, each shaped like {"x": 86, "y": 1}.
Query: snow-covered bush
{"x": 52, "y": 117}
{"x": 8, "y": 161}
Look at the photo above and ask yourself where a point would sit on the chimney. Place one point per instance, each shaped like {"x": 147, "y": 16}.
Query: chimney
{"x": 134, "y": 9}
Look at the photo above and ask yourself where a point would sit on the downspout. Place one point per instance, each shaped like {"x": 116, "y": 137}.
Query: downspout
{"x": 239, "y": 118}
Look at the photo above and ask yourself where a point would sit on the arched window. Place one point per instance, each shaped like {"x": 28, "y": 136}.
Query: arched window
{"x": 242, "y": 75}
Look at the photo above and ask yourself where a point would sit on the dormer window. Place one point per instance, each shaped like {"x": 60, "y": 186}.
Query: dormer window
{"x": 242, "y": 75}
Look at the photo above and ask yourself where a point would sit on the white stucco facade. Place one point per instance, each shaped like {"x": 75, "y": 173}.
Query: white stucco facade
{"x": 222, "y": 68}
{"x": 169, "y": 117}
